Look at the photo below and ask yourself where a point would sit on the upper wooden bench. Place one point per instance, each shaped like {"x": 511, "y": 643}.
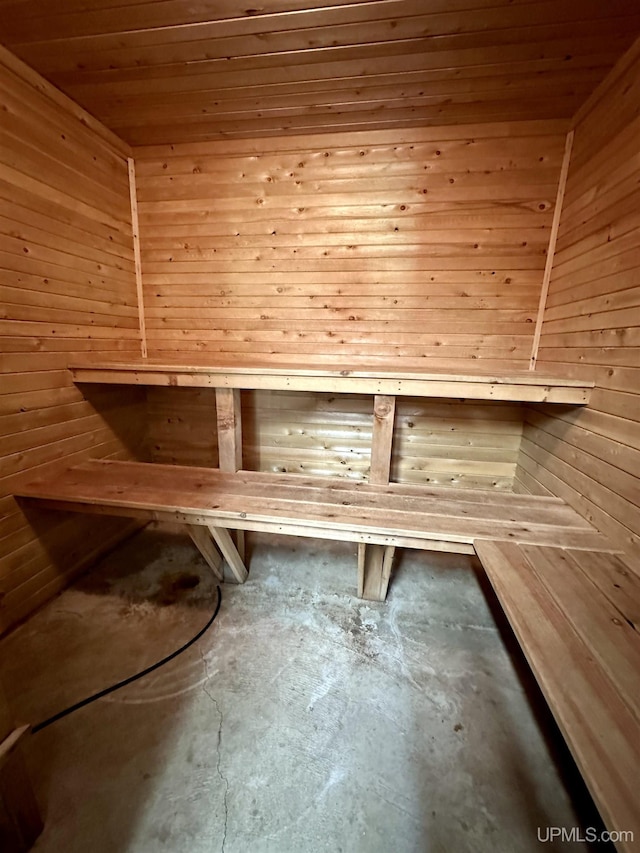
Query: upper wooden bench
{"x": 517, "y": 386}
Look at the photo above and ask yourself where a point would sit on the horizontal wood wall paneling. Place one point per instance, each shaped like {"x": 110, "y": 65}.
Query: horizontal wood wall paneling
{"x": 344, "y": 146}
{"x": 34, "y": 209}
{"x": 67, "y": 289}
{"x": 27, "y": 118}
{"x": 181, "y": 426}
{"x": 592, "y": 321}
{"x": 175, "y": 71}
{"x": 300, "y": 246}
{"x": 98, "y": 135}
{"x": 47, "y": 580}
{"x": 599, "y": 506}
{"x": 623, "y": 88}
{"x": 470, "y": 445}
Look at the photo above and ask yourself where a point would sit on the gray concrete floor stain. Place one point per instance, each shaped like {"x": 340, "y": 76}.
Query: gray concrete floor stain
{"x": 304, "y": 720}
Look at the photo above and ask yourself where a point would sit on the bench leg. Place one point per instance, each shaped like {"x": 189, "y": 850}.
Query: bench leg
{"x": 229, "y": 421}
{"x": 229, "y": 551}
{"x": 374, "y": 570}
{"x": 201, "y": 538}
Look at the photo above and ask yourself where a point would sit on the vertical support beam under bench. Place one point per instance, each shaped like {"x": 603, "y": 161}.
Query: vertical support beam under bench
{"x": 374, "y": 570}
{"x": 375, "y": 561}
{"x": 384, "y": 412}
{"x": 229, "y": 418}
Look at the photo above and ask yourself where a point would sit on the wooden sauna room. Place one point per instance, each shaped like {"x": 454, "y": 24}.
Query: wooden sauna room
{"x": 354, "y": 285}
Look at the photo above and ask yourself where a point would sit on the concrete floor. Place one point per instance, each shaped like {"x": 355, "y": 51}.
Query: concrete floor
{"x": 304, "y": 720}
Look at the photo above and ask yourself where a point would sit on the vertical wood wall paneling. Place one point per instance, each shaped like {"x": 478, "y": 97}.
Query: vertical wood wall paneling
{"x": 67, "y": 289}
{"x": 552, "y": 248}
{"x": 135, "y": 228}
{"x": 591, "y": 457}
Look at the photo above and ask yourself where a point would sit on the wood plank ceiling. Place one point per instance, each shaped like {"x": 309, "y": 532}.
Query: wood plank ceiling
{"x": 158, "y": 71}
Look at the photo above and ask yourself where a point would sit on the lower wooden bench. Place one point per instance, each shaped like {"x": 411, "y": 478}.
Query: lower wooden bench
{"x": 210, "y": 503}
{"x": 573, "y": 604}
{"x": 576, "y": 616}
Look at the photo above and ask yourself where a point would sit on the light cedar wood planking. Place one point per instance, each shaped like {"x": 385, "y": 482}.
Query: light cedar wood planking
{"x": 68, "y": 289}
{"x": 575, "y": 616}
{"x": 592, "y": 321}
{"x": 389, "y": 247}
{"x": 397, "y": 515}
{"x": 438, "y": 442}
{"x": 408, "y": 248}
{"x": 178, "y": 70}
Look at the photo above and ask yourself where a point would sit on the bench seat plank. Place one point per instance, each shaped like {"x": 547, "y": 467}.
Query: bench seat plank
{"x": 614, "y": 643}
{"x": 585, "y": 659}
{"x": 518, "y": 386}
{"x": 619, "y": 583}
{"x": 330, "y": 507}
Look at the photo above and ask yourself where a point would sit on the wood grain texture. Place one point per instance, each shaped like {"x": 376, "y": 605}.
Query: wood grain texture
{"x": 68, "y": 288}
{"x": 592, "y": 322}
{"x": 178, "y": 70}
{"x": 413, "y": 247}
{"x": 584, "y": 652}
{"x": 356, "y": 378}
{"x": 384, "y": 412}
{"x": 438, "y": 442}
{"x": 331, "y": 509}
{"x": 544, "y": 290}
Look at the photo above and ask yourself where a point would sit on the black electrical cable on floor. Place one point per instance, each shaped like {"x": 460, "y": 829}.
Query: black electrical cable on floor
{"x": 131, "y": 678}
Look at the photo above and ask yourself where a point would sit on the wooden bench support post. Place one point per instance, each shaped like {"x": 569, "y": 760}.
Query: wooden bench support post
{"x": 374, "y": 570}
{"x": 229, "y": 417}
{"x": 375, "y": 561}
{"x": 384, "y": 411}
{"x": 230, "y": 552}
{"x": 201, "y": 538}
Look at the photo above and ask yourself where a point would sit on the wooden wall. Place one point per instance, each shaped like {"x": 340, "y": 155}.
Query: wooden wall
{"x": 441, "y": 442}
{"x": 67, "y": 288}
{"x": 393, "y": 247}
{"x": 410, "y": 248}
{"x": 591, "y": 457}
